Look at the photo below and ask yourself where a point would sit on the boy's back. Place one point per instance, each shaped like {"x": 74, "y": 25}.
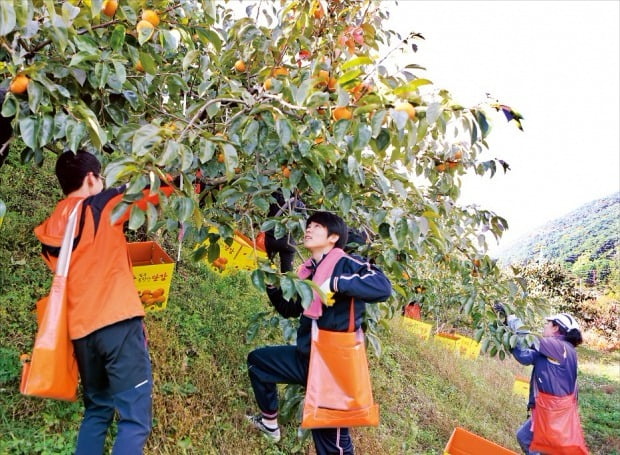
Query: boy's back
{"x": 100, "y": 285}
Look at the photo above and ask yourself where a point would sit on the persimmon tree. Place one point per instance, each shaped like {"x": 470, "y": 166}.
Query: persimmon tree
{"x": 294, "y": 95}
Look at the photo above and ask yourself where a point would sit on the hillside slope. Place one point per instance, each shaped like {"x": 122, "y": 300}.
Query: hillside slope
{"x": 585, "y": 241}
{"x": 199, "y": 346}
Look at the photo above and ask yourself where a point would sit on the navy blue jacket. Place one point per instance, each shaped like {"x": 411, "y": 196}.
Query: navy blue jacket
{"x": 555, "y": 366}
{"x": 352, "y": 277}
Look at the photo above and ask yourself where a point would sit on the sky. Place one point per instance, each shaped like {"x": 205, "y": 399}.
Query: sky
{"x": 555, "y": 62}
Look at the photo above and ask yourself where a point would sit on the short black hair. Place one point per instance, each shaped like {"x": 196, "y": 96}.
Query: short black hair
{"x": 573, "y": 336}
{"x": 71, "y": 168}
{"x": 334, "y": 225}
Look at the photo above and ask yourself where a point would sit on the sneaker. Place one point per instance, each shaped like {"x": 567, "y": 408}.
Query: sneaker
{"x": 271, "y": 433}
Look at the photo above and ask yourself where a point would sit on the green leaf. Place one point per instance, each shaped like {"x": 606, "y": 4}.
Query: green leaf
{"x": 117, "y": 170}
{"x": 23, "y": 10}
{"x": 182, "y": 207}
{"x": 145, "y": 139}
{"x": 284, "y": 130}
{"x": 199, "y": 253}
{"x": 229, "y": 196}
{"x": 250, "y": 136}
{"x": 144, "y": 34}
{"x": 340, "y": 129}
{"x": 411, "y": 86}
{"x": 374, "y": 342}
{"x": 358, "y": 61}
{"x": 119, "y": 77}
{"x": 35, "y": 94}
{"x": 212, "y": 37}
{"x": 148, "y": 63}
{"x": 485, "y": 128}
{"x": 28, "y": 131}
{"x": 69, "y": 12}
{"x": 348, "y": 76}
{"x": 9, "y": 108}
{"x": 377, "y": 122}
{"x": 171, "y": 39}
{"x": 171, "y": 153}
{"x": 75, "y": 132}
{"x": 258, "y": 279}
{"x": 231, "y": 159}
{"x": 206, "y": 150}
{"x": 7, "y": 17}
{"x": 314, "y": 180}
{"x": 119, "y": 211}
{"x": 345, "y": 202}
{"x": 382, "y": 141}
{"x": 288, "y": 287}
{"x": 46, "y": 131}
{"x": 400, "y": 119}
{"x": 305, "y": 291}
{"x": 151, "y": 217}
{"x": 433, "y": 111}
{"x": 361, "y": 137}
{"x": 132, "y": 98}
{"x": 86, "y": 44}
{"x": 136, "y": 218}
{"x": 317, "y": 99}
{"x": 468, "y": 305}
{"x": 138, "y": 185}
{"x": 117, "y": 38}
{"x": 98, "y": 136}
{"x": 189, "y": 59}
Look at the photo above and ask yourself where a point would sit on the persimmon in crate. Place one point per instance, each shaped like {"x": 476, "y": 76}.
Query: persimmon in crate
{"x": 152, "y": 273}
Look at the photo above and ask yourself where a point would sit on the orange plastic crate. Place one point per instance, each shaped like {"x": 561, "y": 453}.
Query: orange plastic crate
{"x": 463, "y": 442}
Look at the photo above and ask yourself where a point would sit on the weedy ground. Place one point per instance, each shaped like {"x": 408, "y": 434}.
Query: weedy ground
{"x": 199, "y": 348}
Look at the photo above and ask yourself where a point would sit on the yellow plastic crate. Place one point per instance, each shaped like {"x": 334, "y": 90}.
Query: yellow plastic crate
{"x": 419, "y": 328}
{"x": 468, "y": 347}
{"x": 241, "y": 254}
{"x": 448, "y": 341}
{"x": 521, "y": 386}
{"x": 152, "y": 273}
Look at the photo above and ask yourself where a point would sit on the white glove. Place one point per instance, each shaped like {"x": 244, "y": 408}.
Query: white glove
{"x": 515, "y": 325}
{"x": 325, "y": 288}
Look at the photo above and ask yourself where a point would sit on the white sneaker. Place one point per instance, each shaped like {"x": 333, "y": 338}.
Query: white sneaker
{"x": 272, "y": 434}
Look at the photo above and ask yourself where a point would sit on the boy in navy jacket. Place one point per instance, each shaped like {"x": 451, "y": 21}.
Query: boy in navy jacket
{"x": 343, "y": 279}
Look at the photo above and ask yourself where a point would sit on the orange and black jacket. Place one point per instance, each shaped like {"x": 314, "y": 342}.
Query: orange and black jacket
{"x": 100, "y": 282}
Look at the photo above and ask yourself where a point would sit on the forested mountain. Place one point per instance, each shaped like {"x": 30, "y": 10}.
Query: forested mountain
{"x": 584, "y": 241}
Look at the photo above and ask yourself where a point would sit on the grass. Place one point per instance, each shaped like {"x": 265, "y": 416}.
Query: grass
{"x": 199, "y": 346}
